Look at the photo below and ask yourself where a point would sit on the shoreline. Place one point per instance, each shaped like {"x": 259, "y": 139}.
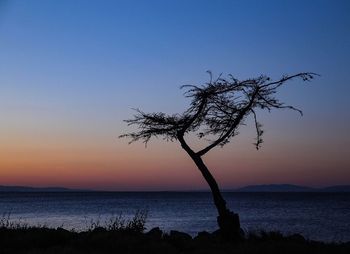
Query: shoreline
{"x": 131, "y": 238}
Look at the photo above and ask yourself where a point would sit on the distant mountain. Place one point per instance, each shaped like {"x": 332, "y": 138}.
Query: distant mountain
{"x": 34, "y": 189}
{"x": 336, "y": 188}
{"x": 275, "y": 188}
{"x": 291, "y": 188}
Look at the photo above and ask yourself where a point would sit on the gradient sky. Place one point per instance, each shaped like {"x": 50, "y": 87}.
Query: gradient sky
{"x": 70, "y": 72}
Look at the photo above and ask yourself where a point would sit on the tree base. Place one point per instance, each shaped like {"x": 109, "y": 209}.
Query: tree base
{"x": 229, "y": 225}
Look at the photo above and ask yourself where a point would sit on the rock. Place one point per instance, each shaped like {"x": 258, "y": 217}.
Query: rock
{"x": 204, "y": 236}
{"x": 99, "y": 230}
{"x": 179, "y": 236}
{"x": 297, "y": 238}
{"x": 155, "y": 233}
{"x": 230, "y": 226}
{"x": 216, "y": 233}
{"x": 62, "y": 230}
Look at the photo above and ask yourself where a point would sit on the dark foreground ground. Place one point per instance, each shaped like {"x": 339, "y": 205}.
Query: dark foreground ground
{"x": 128, "y": 236}
{"x": 126, "y": 240}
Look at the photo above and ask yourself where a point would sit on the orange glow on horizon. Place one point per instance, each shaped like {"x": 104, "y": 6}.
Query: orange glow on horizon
{"x": 113, "y": 165}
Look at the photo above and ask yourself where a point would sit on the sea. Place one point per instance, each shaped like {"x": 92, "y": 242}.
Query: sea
{"x": 317, "y": 216}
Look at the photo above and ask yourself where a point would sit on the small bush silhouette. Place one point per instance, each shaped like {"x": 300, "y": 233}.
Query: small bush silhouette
{"x": 136, "y": 224}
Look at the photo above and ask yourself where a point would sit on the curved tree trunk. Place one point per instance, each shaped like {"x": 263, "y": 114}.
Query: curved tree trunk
{"x": 228, "y": 221}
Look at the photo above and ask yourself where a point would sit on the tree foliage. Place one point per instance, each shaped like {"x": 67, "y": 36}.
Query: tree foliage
{"x": 216, "y": 111}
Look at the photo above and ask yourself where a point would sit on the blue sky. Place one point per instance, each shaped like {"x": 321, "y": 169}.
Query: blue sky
{"x": 71, "y": 70}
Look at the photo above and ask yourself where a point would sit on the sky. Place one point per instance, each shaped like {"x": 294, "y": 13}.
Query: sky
{"x": 71, "y": 72}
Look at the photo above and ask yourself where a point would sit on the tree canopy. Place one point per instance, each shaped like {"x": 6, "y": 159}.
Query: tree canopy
{"x": 216, "y": 110}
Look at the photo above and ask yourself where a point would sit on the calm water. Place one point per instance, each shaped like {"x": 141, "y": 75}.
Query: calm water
{"x": 319, "y": 216}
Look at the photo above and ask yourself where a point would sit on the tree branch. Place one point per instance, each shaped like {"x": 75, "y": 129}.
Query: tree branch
{"x": 259, "y": 131}
{"x": 234, "y": 125}
{"x": 217, "y": 109}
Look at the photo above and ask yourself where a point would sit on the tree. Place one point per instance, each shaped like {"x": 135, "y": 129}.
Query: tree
{"x": 217, "y": 109}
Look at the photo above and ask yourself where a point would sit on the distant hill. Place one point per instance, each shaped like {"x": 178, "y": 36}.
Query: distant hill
{"x": 34, "y": 189}
{"x": 336, "y": 188}
{"x": 291, "y": 188}
{"x": 275, "y": 188}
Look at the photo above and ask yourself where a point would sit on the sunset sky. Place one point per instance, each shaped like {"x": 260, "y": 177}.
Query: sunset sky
{"x": 71, "y": 71}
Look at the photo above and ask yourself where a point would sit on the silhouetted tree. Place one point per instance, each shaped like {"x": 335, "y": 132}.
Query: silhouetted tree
{"x": 216, "y": 111}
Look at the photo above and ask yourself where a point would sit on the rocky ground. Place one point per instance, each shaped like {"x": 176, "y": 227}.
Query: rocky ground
{"x": 134, "y": 240}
